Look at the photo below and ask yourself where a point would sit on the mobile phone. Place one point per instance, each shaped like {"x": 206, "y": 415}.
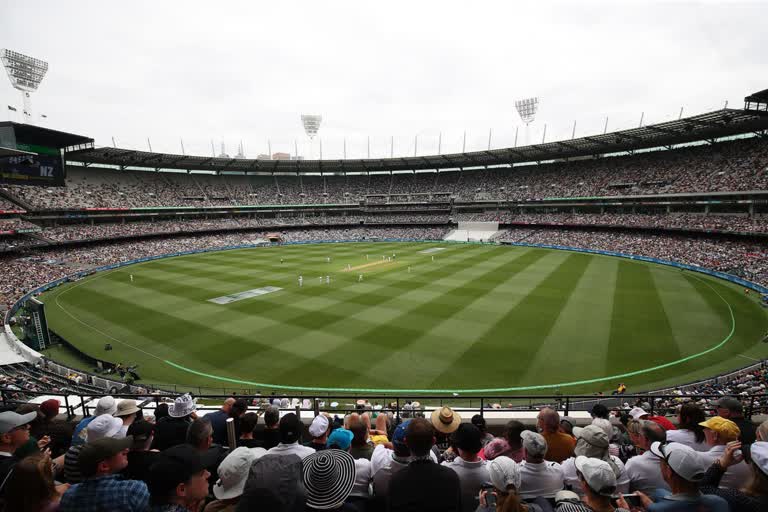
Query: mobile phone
{"x": 490, "y": 498}
{"x": 633, "y": 500}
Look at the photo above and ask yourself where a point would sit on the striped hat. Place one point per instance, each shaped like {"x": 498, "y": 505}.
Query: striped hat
{"x": 328, "y": 478}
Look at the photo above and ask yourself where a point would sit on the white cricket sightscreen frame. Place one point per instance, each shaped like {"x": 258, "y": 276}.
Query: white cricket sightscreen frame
{"x": 25, "y": 74}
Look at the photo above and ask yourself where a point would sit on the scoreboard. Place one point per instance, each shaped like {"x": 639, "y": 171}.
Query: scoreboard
{"x": 39, "y": 154}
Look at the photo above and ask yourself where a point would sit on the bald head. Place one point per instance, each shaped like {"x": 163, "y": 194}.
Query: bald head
{"x": 651, "y": 432}
{"x": 549, "y": 420}
{"x": 228, "y": 403}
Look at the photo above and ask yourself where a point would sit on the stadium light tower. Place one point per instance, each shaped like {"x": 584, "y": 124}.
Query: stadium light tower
{"x": 311, "y": 124}
{"x": 527, "y": 109}
{"x": 25, "y": 73}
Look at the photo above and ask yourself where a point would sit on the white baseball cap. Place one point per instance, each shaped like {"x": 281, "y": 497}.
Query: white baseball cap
{"x": 598, "y": 474}
{"x": 684, "y": 460}
{"x": 10, "y": 420}
{"x": 759, "y": 453}
{"x": 319, "y": 426}
{"x": 105, "y": 425}
{"x": 504, "y": 472}
{"x": 637, "y": 413}
{"x": 233, "y": 473}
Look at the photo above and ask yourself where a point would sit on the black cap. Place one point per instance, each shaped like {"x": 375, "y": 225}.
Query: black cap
{"x": 468, "y": 437}
{"x": 174, "y": 466}
{"x": 99, "y": 450}
{"x": 290, "y": 428}
{"x": 141, "y": 431}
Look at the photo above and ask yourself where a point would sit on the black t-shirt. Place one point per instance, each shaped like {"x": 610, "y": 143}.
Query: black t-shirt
{"x": 271, "y": 438}
{"x": 138, "y": 465}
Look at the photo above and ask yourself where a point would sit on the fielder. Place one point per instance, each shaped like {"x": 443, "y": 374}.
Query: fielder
{"x": 360, "y": 278}
{"x": 327, "y": 279}
{"x": 301, "y": 281}
{"x": 131, "y": 276}
{"x": 328, "y": 259}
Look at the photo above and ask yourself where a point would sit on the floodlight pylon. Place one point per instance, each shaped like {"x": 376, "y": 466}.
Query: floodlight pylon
{"x": 311, "y": 124}
{"x": 526, "y": 109}
{"x": 25, "y": 74}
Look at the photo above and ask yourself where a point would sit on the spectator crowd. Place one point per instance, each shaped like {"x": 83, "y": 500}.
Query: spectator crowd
{"x": 253, "y": 455}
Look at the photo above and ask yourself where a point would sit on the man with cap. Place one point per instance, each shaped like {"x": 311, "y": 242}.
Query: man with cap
{"x": 539, "y": 477}
{"x": 233, "y": 473}
{"x": 178, "y": 481}
{"x": 234, "y": 409}
{"x": 319, "y": 430}
{"x": 290, "y": 434}
{"x": 644, "y": 470}
{"x": 341, "y": 439}
{"x": 126, "y": 411}
{"x": 719, "y": 432}
{"x": 504, "y": 474}
{"x": 100, "y": 462}
{"x": 423, "y": 485}
{"x": 597, "y": 482}
{"x": 559, "y": 444}
{"x": 102, "y": 426}
{"x": 105, "y": 405}
{"x": 445, "y": 421}
{"x": 592, "y": 442}
{"x": 140, "y": 458}
{"x": 732, "y": 409}
{"x": 172, "y": 430}
{"x": 683, "y": 469}
{"x": 638, "y": 413}
{"x": 14, "y": 433}
{"x": 58, "y": 430}
{"x": 386, "y": 462}
{"x": 471, "y": 469}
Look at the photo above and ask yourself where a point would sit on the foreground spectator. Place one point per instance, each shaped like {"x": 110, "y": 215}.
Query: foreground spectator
{"x": 471, "y": 469}
{"x": 360, "y": 447}
{"x": 31, "y": 487}
{"x": 319, "y": 430}
{"x": 592, "y": 442}
{"x": 539, "y": 477}
{"x": 423, "y": 486}
{"x": 233, "y": 473}
{"x": 512, "y": 433}
{"x": 719, "y": 432}
{"x": 597, "y": 481}
{"x": 445, "y": 421}
{"x": 480, "y": 423}
{"x": 753, "y": 496}
{"x": 47, "y": 424}
{"x": 105, "y": 405}
{"x": 100, "y": 462}
{"x": 329, "y": 477}
{"x": 386, "y": 462}
{"x": 505, "y": 478}
{"x": 219, "y": 421}
{"x": 178, "y": 481}
{"x": 689, "y": 430}
{"x": 683, "y": 469}
{"x": 248, "y": 422}
{"x": 290, "y": 435}
{"x": 200, "y": 437}
{"x": 559, "y": 444}
{"x": 341, "y": 439}
{"x": 172, "y": 430}
{"x": 104, "y": 426}
{"x": 140, "y": 458}
{"x": 271, "y": 435}
{"x": 126, "y": 411}
{"x": 732, "y": 409}
{"x": 14, "y": 433}
{"x": 644, "y": 471}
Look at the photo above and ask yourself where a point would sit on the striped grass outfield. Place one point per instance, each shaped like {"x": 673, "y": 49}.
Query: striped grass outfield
{"x": 512, "y": 319}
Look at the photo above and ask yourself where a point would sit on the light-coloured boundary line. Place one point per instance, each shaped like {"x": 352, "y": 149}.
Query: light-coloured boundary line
{"x": 382, "y": 390}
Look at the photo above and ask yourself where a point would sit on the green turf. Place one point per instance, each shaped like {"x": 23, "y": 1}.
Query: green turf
{"x": 477, "y": 317}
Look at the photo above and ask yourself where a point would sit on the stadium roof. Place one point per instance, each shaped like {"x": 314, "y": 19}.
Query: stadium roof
{"x": 12, "y": 152}
{"x": 710, "y": 125}
{"x": 39, "y": 136}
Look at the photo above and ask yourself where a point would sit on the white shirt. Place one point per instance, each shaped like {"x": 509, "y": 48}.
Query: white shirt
{"x": 644, "y": 472}
{"x": 291, "y": 449}
{"x": 472, "y": 477}
{"x": 363, "y": 476}
{"x": 540, "y": 479}
{"x": 571, "y": 478}
{"x": 688, "y": 438}
{"x": 736, "y": 476}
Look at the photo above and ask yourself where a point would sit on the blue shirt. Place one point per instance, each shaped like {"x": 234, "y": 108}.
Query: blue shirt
{"x": 218, "y": 421}
{"x": 665, "y": 501}
{"x": 76, "y": 439}
{"x": 106, "y": 493}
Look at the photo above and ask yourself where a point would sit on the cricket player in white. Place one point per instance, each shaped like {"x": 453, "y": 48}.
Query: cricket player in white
{"x": 131, "y": 275}
{"x": 301, "y": 281}
{"x": 360, "y": 278}
{"x": 327, "y": 279}
{"x": 328, "y": 259}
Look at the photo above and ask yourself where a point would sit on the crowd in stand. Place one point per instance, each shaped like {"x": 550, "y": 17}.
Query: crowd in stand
{"x": 176, "y": 458}
{"x": 14, "y": 223}
{"x": 742, "y": 258}
{"x": 740, "y": 165}
{"x": 713, "y": 222}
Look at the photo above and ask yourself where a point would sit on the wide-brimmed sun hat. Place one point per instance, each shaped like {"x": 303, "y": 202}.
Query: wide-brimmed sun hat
{"x": 329, "y": 476}
{"x": 184, "y": 405}
{"x": 445, "y": 420}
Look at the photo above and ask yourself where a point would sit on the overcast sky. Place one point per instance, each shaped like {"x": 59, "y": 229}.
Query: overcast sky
{"x": 232, "y": 71}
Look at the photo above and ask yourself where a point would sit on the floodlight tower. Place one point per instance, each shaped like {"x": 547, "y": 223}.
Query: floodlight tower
{"x": 25, "y": 73}
{"x": 311, "y": 124}
{"x": 527, "y": 109}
